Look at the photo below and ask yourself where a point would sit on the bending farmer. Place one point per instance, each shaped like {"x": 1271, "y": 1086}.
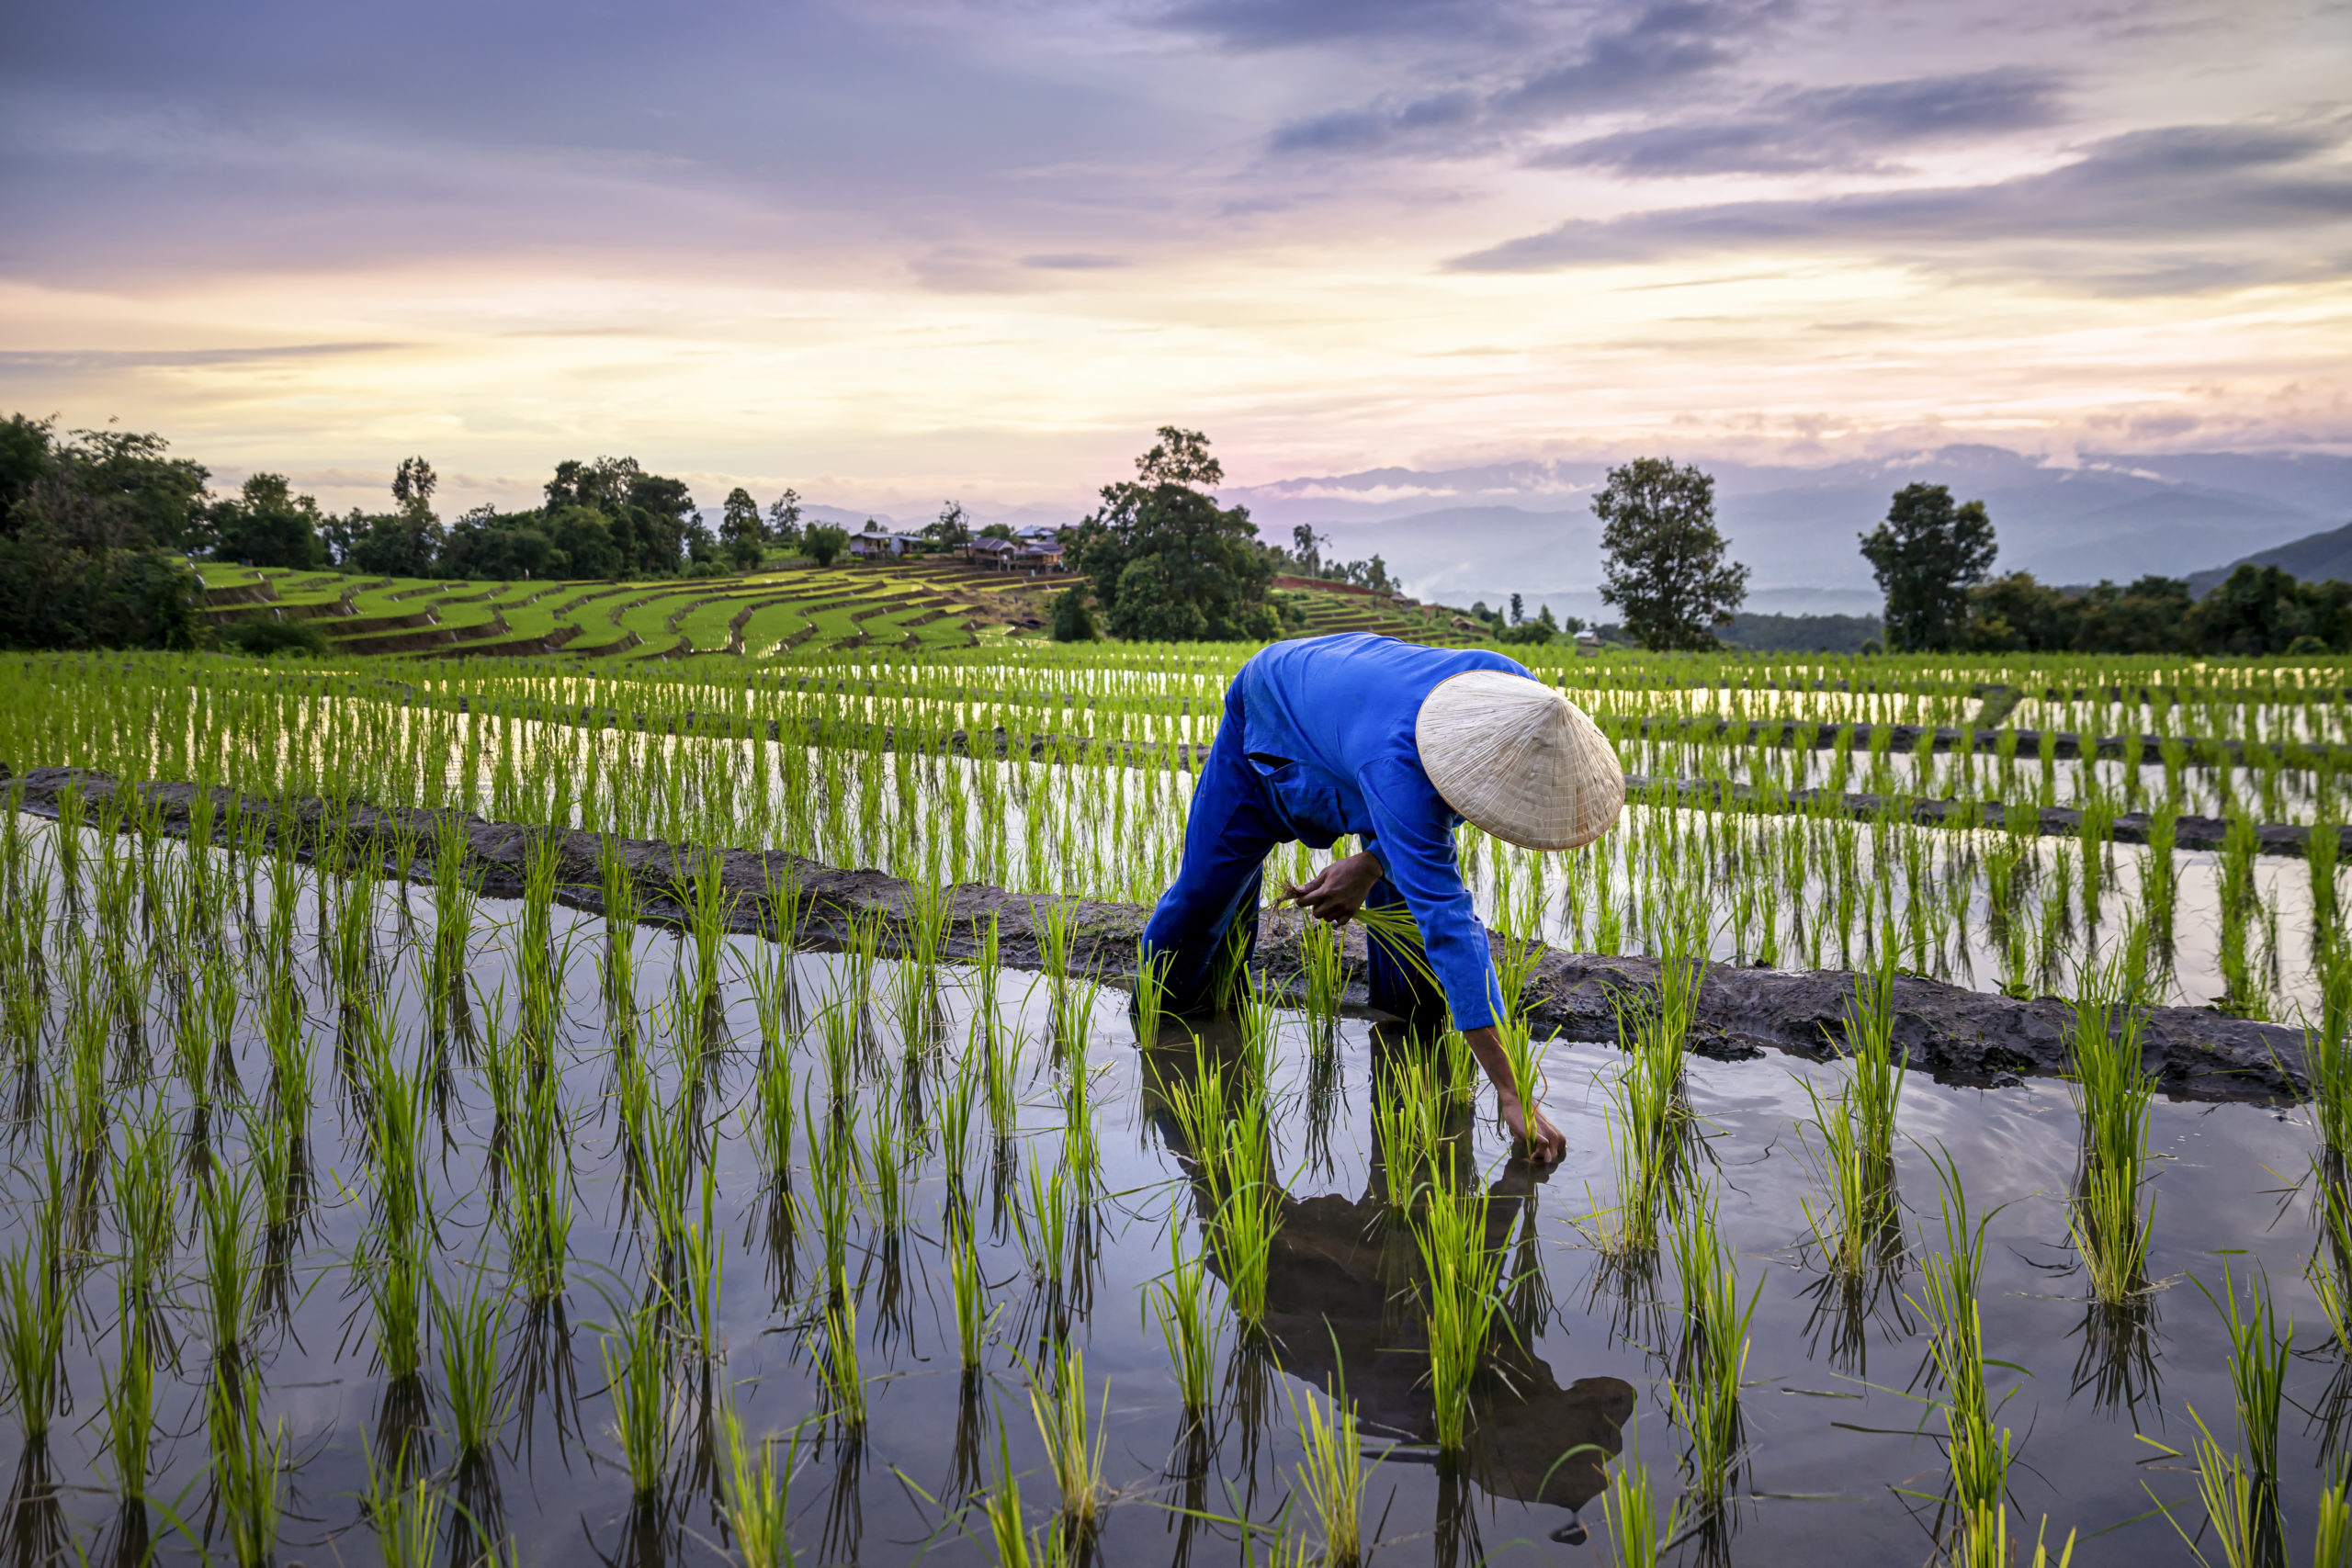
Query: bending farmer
{"x": 1397, "y": 744}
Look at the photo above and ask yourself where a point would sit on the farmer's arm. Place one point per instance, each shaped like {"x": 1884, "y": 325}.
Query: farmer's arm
{"x": 1412, "y": 843}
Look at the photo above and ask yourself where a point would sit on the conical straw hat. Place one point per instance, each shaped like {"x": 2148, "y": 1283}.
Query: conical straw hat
{"x": 1519, "y": 760}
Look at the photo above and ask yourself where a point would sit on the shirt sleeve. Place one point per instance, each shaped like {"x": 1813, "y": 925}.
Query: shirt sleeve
{"x": 1410, "y": 826}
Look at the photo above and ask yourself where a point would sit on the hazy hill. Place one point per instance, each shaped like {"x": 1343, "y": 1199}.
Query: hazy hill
{"x": 1483, "y": 533}
{"x": 2315, "y": 559}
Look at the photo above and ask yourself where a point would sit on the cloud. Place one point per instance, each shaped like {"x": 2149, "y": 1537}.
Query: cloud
{"x": 2194, "y": 206}
{"x": 73, "y": 359}
{"x": 1825, "y": 127}
{"x": 1072, "y": 260}
{"x": 1665, "y": 44}
{"x": 1278, "y": 24}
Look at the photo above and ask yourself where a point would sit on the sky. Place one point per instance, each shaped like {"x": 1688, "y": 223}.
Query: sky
{"x": 894, "y": 250}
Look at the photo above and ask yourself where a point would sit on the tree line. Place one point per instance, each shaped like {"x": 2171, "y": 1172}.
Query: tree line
{"x": 97, "y": 529}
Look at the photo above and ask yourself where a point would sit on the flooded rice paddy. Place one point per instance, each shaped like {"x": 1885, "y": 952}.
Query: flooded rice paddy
{"x": 206, "y": 1150}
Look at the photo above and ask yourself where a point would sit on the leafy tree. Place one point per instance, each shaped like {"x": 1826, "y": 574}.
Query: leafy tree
{"x": 25, "y": 459}
{"x": 1517, "y": 609}
{"x": 740, "y": 530}
{"x": 653, "y": 520}
{"x": 403, "y": 546}
{"x": 412, "y": 486}
{"x": 489, "y": 543}
{"x": 1167, "y": 562}
{"x": 1307, "y": 546}
{"x": 101, "y": 490}
{"x": 1072, "y": 622}
{"x": 265, "y": 524}
{"x": 953, "y": 528}
{"x": 823, "y": 542}
{"x": 583, "y": 537}
{"x": 2263, "y": 610}
{"x": 784, "y": 520}
{"x": 1663, "y": 561}
{"x": 1000, "y": 531}
{"x": 1927, "y": 556}
{"x": 54, "y": 595}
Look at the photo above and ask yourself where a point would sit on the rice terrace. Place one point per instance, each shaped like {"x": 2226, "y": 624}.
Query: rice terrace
{"x": 686, "y": 881}
{"x": 665, "y": 1110}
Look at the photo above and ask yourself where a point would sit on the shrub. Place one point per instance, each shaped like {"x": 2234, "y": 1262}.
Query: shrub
{"x": 1072, "y": 622}
{"x": 263, "y": 637}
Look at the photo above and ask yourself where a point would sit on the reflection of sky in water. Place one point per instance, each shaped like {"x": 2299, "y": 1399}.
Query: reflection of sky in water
{"x": 1824, "y": 1426}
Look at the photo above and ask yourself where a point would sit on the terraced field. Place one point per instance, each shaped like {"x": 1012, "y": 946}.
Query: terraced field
{"x": 794, "y": 610}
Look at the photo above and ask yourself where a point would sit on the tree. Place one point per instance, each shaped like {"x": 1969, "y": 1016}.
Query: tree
{"x": 823, "y": 542}
{"x": 1663, "y": 557}
{"x": 1927, "y": 556}
{"x": 1307, "y": 546}
{"x": 1517, "y": 609}
{"x": 402, "y": 546}
{"x": 2263, "y": 610}
{"x": 784, "y": 520}
{"x": 1000, "y": 531}
{"x": 412, "y": 486}
{"x": 1072, "y": 622}
{"x": 265, "y": 524}
{"x": 953, "y": 530}
{"x": 1168, "y": 563}
{"x": 740, "y": 530}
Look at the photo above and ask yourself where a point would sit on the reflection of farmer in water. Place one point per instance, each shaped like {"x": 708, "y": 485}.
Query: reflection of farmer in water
{"x": 1398, "y": 744}
{"x": 1339, "y": 1304}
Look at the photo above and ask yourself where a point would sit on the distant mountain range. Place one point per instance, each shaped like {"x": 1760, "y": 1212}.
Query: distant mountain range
{"x": 1461, "y": 535}
{"x": 1482, "y": 533}
{"x": 2315, "y": 559}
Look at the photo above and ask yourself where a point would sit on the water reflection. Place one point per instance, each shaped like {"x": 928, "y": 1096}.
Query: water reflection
{"x": 1339, "y": 1296}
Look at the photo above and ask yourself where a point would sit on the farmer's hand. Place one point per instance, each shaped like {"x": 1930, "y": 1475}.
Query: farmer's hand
{"x": 1542, "y": 1144}
{"x": 1338, "y": 891}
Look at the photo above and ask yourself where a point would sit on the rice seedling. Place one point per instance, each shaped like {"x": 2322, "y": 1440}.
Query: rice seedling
{"x": 467, "y": 1330}
{"x": 405, "y": 1510}
{"x": 1073, "y": 1453}
{"x": 1015, "y": 1545}
{"x": 230, "y": 1255}
{"x": 131, "y": 1399}
{"x": 973, "y": 1312}
{"x": 1464, "y": 1280}
{"x": 2260, "y": 1355}
{"x": 536, "y": 1213}
{"x": 248, "y": 1465}
{"x": 1332, "y": 1474}
{"x": 702, "y": 1266}
{"x": 757, "y": 1493}
{"x": 636, "y": 1377}
{"x": 955, "y": 1112}
{"x": 34, "y": 1307}
{"x": 1178, "y": 1299}
{"x": 1977, "y": 1448}
{"x": 837, "y": 1027}
{"x": 1525, "y": 1054}
{"x": 842, "y": 1375}
{"x": 2327, "y": 1053}
{"x": 1638, "y": 1536}
{"x": 2112, "y": 1092}
{"x": 1876, "y": 1068}
{"x": 1045, "y": 1224}
{"x": 1705, "y": 1397}
{"x": 393, "y": 1268}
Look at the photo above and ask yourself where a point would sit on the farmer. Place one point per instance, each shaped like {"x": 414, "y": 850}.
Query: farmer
{"x": 1398, "y": 744}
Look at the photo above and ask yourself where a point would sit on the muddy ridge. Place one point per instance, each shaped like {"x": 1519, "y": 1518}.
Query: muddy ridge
{"x": 1958, "y": 1035}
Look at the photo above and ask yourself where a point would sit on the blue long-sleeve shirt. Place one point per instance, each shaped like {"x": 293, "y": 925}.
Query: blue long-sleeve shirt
{"x": 1329, "y": 725}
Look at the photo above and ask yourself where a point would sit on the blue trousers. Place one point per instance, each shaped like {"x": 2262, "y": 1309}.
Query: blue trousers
{"x": 1233, "y": 825}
